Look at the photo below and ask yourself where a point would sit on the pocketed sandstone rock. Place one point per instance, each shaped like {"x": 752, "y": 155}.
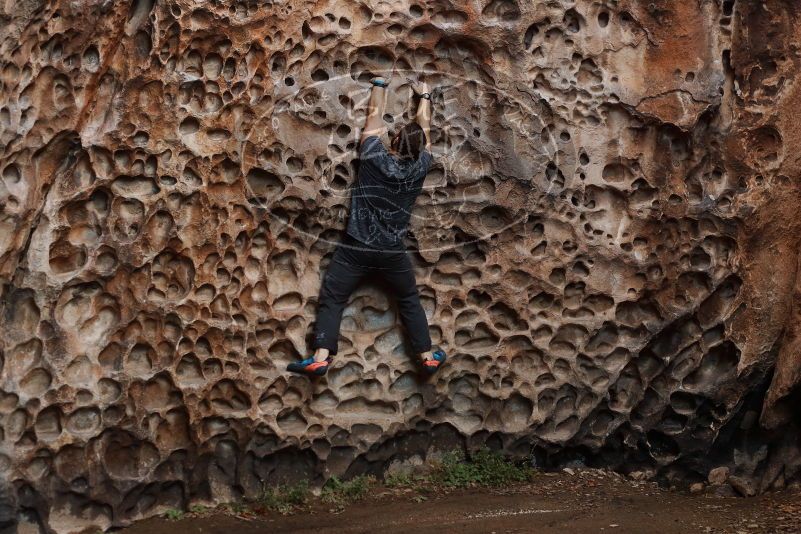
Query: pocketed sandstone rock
{"x": 607, "y": 244}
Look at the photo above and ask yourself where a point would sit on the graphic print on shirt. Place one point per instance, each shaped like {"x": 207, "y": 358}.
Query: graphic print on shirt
{"x": 384, "y": 194}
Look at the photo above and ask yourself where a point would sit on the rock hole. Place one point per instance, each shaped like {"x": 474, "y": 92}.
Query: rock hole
{"x": 319, "y": 75}
{"x": 212, "y": 66}
{"x": 528, "y": 37}
{"x": 91, "y": 59}
{"x": 11, "y": 174}
{"x": 572, "y": 21}
{"x": 718, "y": 366}
{"x": 138, "y": 14}
{"x": 502, "y": 10}
{"x": 189, "y": 125}
{"x": 264, "y": 184}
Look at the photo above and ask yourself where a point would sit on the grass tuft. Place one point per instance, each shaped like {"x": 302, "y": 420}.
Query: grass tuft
{"x": 286, "y": 499}
{"x": 174, "y": 514}
{"x": 341, "y": 493}
{"x": 483, "y": 468}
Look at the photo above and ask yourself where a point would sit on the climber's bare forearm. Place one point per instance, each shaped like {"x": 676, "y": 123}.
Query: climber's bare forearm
{"x": 375, "y": 112}
{"x": 423, "y": 118}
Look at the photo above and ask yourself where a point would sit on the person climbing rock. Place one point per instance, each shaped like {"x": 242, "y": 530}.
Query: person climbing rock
{"x": 388, "y": 183}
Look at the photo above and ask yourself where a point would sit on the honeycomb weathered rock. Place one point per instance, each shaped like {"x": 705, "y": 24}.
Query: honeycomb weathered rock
{"x": 607, "y": 245}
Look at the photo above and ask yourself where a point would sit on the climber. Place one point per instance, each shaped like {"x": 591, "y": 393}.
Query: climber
{"x": 382, "y": 198}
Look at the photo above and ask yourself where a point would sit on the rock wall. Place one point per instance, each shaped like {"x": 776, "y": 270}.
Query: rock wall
{"x": 607, "y": 245}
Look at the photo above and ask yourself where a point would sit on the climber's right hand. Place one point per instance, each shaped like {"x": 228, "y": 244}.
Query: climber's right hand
{"x": 418, "y": 87}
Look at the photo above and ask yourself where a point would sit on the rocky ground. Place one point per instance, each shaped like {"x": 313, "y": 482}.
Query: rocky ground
{"x": 572, "y": 501}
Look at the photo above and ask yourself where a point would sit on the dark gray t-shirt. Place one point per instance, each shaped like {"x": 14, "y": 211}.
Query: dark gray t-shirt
{"x": 384, "y": 194}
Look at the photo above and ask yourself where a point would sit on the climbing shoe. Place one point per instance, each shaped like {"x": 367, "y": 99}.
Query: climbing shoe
{"x": 309, "y": 366}
{"x": 435, "y": 362}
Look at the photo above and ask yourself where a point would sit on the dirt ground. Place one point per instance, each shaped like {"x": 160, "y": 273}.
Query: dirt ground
{"x": 587, "y": 501}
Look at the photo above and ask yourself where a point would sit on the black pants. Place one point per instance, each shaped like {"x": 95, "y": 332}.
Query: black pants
{"x": 353, "y": 261}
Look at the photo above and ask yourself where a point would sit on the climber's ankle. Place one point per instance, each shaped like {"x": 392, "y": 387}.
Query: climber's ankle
{"x": 321, "y": 354}
{"x": 426, "y": 355}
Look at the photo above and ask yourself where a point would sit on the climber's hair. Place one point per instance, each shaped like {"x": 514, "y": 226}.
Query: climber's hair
{"x": 409, "y": 141}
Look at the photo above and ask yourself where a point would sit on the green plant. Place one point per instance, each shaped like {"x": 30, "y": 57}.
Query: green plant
{"x": 285, "y": 499}
{"x": 453, "y": 470}
{"x": 340, "y": 493}
{"x": 234, "y": 507}
{"x": 483, "y": 468}
{"x": 406, "y": 480}
{"x": 398, "y": 480}
{"x": 174, "y": 514}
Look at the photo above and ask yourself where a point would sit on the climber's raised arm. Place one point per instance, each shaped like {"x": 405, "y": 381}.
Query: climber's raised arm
{"x": 423, "y": 117}
{"x": 375, "y": 109}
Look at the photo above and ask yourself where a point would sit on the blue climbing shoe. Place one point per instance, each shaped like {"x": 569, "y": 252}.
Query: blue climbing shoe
{"x": 309, "y": 366}
{"x": 436, "y": 361}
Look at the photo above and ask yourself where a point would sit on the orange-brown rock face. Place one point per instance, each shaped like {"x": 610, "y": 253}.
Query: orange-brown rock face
{"x": 607, "y": 245}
